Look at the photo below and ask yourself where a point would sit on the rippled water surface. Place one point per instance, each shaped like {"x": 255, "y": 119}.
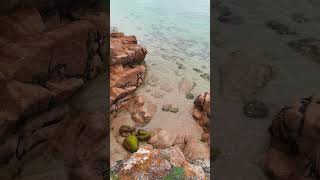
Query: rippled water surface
{"x": 176, "y": 34}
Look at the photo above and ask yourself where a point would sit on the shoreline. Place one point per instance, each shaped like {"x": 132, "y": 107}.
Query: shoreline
{"x": 127, "y": 116}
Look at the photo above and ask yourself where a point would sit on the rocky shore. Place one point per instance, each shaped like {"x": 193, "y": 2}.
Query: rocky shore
{"x": 48, "y": 54}
{"x": 139, "y": 152}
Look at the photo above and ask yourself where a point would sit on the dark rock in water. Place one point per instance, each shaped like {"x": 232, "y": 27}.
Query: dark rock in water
{"x": 309, "y": 47}
{"x": 227, "y": 16}
{"x": 256, "y": 109}
{"x": 169, "y": 107}
{"x": 197, "y": 70}
{"x": 279, "y": 28}
{"x": 143, "y": 135}
{"x": 180, "y": 66}
{"x": 126, "y": 130}
{"x": 131, "y": 143}
{"x": 299, "y": 18}
{"x": 189, "y": 95}
{"x": 205, "y": 76}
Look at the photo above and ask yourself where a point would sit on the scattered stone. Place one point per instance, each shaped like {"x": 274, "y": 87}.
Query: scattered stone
{"x": 169, "y": 107}
{"x": 161, "y": 139}
{"x": 131, "y": 143}
{"x": 309, "y": 47}
{"x": 299, "y": 18}
{"x": 197, "y": 70}
{"x": 279, "y": 28}
{"x": 157, "y": 95}
{"x": 180, "y": 65}
{"x": 227, "y": 16}
{"x": 126, "y": 130}
{"x": 189, "y": 95}
{"x": 256, "y": 109}
{"x": 205, "y": 76}
{"x": 143, "y": 135}
{"x": 186, "y": 85}
{"x": 166, "y": 88}
{"x": 195, "y": 150}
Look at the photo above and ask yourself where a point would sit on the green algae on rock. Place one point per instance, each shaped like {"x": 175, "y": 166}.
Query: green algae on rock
{"x": 143, "y": 135}
{"x": 169, "y": 107}
{"x": 131, "y": 143}
{"x": 189, "y": 95}
{"x": 176, "y": 173}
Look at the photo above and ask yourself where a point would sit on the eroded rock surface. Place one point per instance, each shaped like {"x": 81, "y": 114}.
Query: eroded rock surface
{"x": 126, "y": 71}
{"x": 43, "y": 63}
{"x": 295, "y": 141}
{"x": 152, "y": 163}
{"x": 201, "y": 113}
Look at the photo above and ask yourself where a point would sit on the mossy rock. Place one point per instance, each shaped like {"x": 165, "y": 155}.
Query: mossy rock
{"x": 143, "y": 135}
{"x": 131, "y": 143}
{"x": 176, "y": 173}
{"x": 169, "y": 107}
{"x": 189, "y": 95}
{"x": 174, "y": 109}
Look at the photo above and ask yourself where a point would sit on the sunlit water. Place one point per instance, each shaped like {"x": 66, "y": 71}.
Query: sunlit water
{"x": 176, "y": 34}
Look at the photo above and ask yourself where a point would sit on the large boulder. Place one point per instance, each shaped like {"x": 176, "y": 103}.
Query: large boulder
{"x": 152, "y": 163}
{"x": 201, "y": 113}
{"x": 295, "y": 139}
{"x": 126, "y": 71}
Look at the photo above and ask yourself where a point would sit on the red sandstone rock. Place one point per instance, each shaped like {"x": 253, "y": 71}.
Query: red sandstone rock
{"x": 125, "y": 72}
{"x": 201, "y": 113}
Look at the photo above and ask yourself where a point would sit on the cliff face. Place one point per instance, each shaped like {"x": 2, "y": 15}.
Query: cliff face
{"x": 45, "y": 58}
{"x": 126, "y": 71}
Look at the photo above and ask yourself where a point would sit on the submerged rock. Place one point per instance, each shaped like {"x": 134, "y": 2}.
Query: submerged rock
{"x": 189, "y": 95}
{"x": 197, "y": 70}
{"x": 126, "y": 130}
{"x": 131, "y": 143}
{"x": 205, "y": 76}
{"x": 256, "y": 109}
{"x": 186, "y": 85}
{"x": 309, "y": 47}
{"x": 279, "y": 27}
{"x": 170, "y": 108}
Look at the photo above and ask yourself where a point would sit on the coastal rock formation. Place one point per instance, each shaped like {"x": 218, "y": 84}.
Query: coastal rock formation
{"x": 43, "y": 63}
{"x": 201, "y": 113}
{"x": 126, "y": 71}
{"x": 156, "y": 163}
{"x": 191, "y": 147}
{"x": 295, "y": 141}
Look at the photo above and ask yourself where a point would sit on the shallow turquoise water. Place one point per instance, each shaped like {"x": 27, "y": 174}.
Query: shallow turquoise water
{"x": 176, "y": 28}
{"x": 176, "y": 34}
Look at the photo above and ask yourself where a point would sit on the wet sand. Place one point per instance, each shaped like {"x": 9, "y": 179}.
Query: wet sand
{"x": 242, "y": 140}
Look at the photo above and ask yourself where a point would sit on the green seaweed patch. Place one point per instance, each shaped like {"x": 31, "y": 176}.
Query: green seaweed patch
{"x": 176, "y": 173}
{"x": 114, "y": 176}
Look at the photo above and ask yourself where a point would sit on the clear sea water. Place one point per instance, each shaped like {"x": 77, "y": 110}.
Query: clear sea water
{"x": 166, "y": 27}
{"x": 176, "y": 34}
